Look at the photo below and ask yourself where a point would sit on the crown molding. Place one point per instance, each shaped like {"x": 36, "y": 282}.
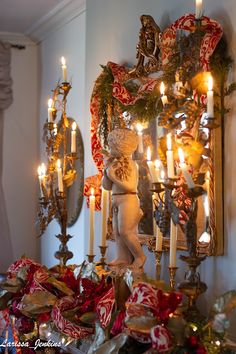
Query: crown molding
{"x": 60, "y": 15}
{"x": 16, "y": 38}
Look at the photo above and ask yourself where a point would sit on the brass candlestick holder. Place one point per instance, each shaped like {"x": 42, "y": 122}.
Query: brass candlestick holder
{"x": 91, "y": 258}
{"x": 59, "y": 172}
{"x": 172, "y": 272}
{"x": 102, "y": 262}
{"x": 192, "y": 286}
{"x": 158, "y": 256}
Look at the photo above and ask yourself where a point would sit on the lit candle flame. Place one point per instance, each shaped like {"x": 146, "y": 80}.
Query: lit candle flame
{"x": 157, "y": 164}
{"x": 63, "y": 61}
{"x": 55, "y": 128}
{"x": 149, "y": 153}
{"x": 139, "y": 127}
{"x": 50, "y": 103}
{"x": 39, "y": 171}
{"x": 181, "y": 155}
{"x": 162, "y": 88}
{"x": 43, "y": 169}
{"x": 206, "y": 206}
{"x": 210, "y": 83}
{"x": 169, "y": 141}
{"x": 58, "y": 163}
{"x": 92, "y": 192}
{"x": 205, "y": 237}
{"x": 74, "y": 126}
{"x": 162, "y": 175}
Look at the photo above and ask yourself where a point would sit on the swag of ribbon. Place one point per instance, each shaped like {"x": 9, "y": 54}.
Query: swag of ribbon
{"x": 149, "y": 302}
{"x": 213, "y": 32}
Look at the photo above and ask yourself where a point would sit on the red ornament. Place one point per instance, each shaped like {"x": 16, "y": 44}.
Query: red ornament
{"x": 24, "y": 325}
{"x": 193, "y": 341}
{"x": 44, "y": 317}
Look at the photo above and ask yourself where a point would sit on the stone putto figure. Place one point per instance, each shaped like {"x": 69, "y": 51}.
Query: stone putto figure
{"x": 121, "y": 176}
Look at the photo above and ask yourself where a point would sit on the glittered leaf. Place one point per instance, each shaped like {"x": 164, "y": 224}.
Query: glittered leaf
{"x": 36, "y": 303}
{"x": 60, "y": 286}
{"x": 12, "y": 285}
{"x": 7, "y": 296}
{"x": 88, "y": 317}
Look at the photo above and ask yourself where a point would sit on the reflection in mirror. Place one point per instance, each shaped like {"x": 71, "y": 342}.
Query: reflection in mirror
{"x": 75, "y": 192}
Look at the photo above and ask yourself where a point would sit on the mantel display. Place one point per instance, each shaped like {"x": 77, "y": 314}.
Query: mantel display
{"x": 157, "y": 140}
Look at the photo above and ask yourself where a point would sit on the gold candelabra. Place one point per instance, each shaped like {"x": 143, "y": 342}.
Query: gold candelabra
{"x": 102, "y": 261}
{"x": 172, "y": 272}
{"x": 58, "y": 173}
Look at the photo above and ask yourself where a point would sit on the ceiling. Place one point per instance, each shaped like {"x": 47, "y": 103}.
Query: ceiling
{"x": 18, "y": 16}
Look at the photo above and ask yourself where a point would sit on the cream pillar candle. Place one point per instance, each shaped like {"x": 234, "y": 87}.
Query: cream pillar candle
{"x": 50, "y": 110}
{"x": 140, "y": 137}
{"x": 207, "y": 179}
{"x": 64, "y": 69}
{"x": 40, "y": 181}
{"x": 210, "y": 98}
{"x": 73, "y": 138}
{"x": 41, "y": 176}
{"x": 163, "y": 96}
{"x": 169, "y": 157}
{"x": 199, "y": 11}
{"x": 156, "y": 230}
{"x": 154, "y": 197}
{"x": 173, "y": 244}
{"x": 151, "y": 166}
{"x": 184, "y": 169}
{"x": 91, "y": 221}
{"x": 105, "y": 196}
{"x": 159, "y": 240}
{"x": 157, "y": 164}
{"x": 59, "y": 176}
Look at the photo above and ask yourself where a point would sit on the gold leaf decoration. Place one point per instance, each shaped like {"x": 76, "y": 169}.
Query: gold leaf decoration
{"x": 7, "y": 296}
{"x": 13, "y": 285}
{"x": 162, "y": 150}
{"x": 65, "y": 120}
{"x": 36, "y": 303}
{"x": 200, "y": 82}
{"x": 70, "y": 177}
{"x": 88, "y": 317}
{"x": 58, "y": 141}
{"x": 60, "y": 286}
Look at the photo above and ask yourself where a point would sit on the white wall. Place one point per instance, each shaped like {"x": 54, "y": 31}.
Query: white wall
{"x": 20, "y": 149}
{"x": 68, "y": 41}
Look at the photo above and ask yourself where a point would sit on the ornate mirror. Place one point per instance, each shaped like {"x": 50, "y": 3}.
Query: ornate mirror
{"x": 75, "y": 191}
{"x": 177, "y": 89}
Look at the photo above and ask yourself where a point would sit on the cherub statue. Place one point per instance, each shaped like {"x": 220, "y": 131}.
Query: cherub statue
{"x": 121, "y": 176}
{"x": 147, "y": 48}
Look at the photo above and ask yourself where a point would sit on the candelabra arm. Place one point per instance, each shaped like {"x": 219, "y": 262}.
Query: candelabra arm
{"x": 158, "y": 255}
{"x": 172, "y": 272}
